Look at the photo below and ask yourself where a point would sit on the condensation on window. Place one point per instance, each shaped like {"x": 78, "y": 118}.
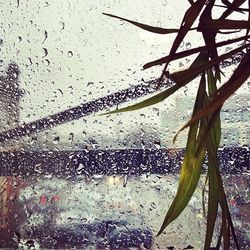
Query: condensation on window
{"x": 72, "y": 176}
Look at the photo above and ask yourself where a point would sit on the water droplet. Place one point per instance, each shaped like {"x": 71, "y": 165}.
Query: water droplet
{"x": 30, "y": 61}
{"x": 181, "y": 64}
{"x": 45, "y": 52}
{"x": 60, "y": 91}
{"x": 170, "y": 17}
{"x": 89, "y": 83}
{"x": 47, "y": 62}
{"x": 56, "y": 140}
{"x": 63, "y": 26}
{"x": 70, "y": 54}
{"x": 157, "y": 144}
{"x": 71, "y": 137}
{"x": 125, "y": 180}
{"x": 12, "y": 197}
{"x": 157, "y": 111}
{"x": 80, "y": 168}
{"x": 164, "y": 2}
{"x": 48, "y": 176}
{"x": 45, "y": 36}
{"x": 188, "y": 45}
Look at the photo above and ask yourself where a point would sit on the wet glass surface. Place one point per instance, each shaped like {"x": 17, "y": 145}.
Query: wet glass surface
{"x": 71, "y": 178}
{"x": 90, "y": 204}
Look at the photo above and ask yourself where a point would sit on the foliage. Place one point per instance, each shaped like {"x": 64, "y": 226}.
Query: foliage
{"x": 204, "y": 125}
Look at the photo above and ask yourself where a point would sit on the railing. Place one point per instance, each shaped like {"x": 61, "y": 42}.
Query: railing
{"x": 233, "y": 160}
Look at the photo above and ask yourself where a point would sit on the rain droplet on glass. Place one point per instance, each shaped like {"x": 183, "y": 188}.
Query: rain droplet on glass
{"x": 70, "y": 54}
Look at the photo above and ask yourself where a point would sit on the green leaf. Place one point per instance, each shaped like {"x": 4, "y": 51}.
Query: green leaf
{"x": 200, "y": 59}
{"x": 212, "y": 146}
{"x": 148, "y": 102}
{"x": 212, "y": 90}
{"x": 225, "y": 211}
{"x": 146, "y": 27}
{"x": 161, "y": 96}
{"x": 213, "y": 195}
{"x": 227, "y": 223}
{"x": 203, "y": 196}
{"x": 191, "y": 167}
{"x": 225, "y": 227}
{"x": 226, "y": 217}
{"x": 240, "y": 75}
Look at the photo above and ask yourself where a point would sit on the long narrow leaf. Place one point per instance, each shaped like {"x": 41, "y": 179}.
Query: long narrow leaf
{"x": 241, "y": 10}
{"x": 161, "y": 96}
{"x": 227, "y": 224}
{"x": 203, "y": 196}
{"x": 247, "y": 31}
{"x": 149, "y": 28}
{"x": 228, "y": 11}
{"x": 190, "y": 16}
{"x": 229, "y": 6}
{"x": 193, "y": 51}
{"x": 212, "y": 90}
{"x": 219, "y": 240}
{"x": 189, "y": 74}
{"x": 191, "y": 167}
{"x": 240, "y": 75}
{"x": 191, "y": 2}
{"x": 209, "y": 36}
{"x": 213, "y": 196}
{"x": 212, "y": 145}
{"x": 148, "y": 102}
{"x": 209, "y": 24}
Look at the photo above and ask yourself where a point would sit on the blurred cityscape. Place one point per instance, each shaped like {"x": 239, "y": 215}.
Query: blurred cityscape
{"x": 235, "y": 120}
{"x": 38, "y": 209}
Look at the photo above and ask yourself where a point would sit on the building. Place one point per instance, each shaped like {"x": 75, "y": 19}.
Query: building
{"x": 235, "y": 120}
{"x": 10, "y": 95}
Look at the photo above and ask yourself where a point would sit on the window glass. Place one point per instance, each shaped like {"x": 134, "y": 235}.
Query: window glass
{"x": 71, "y": 177}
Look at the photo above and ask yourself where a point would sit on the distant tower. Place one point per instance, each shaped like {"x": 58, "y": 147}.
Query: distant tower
{"x": 10, "y": 95}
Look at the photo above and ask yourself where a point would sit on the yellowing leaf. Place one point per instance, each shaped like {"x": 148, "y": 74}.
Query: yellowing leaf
{"x": 240, "y": 75}
{"x": 191, "y": 167}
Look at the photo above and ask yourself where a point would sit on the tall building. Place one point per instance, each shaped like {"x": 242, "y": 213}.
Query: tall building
{"x": 10, "y": 95}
